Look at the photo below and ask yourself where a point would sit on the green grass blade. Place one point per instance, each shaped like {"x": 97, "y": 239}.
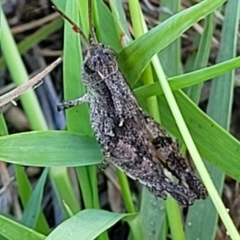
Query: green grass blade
{"x": 189, "y": 79}
{"x": 106, "y": 30}
{"x": 88, "y": 224}
{"x": 35, "y": 38}
{"x": 202, "y": 56}
{"x": 170, "y": 56}
{"x": 175, "y": 220}
{"x": 3, "y": 126}
{"x": 15, "y": 231}
{"x": 205, "y": 132}
{"x": 58, "y": 148}
{"x": 134, "y": 58}
{"x": 19, "y": 75}
{"x": 194, "y": 152}
{"x": 196, "y": 216}
{"x": 73, "y": 88}
{"x": 25, "y": 192}
{"x": 222, "y": 88}
{"x": 119, "y": 19}
{"x": 153, "y": 216}
{"x": 33, "y": 111}
{"x": 171, "y": 60}
{"x": 140, "y": 27}
{"x": 63, "y": 189}
{"x": 126, "y": 193}
{"x": 219, "y": 108}
{"x": 33, "y": 207}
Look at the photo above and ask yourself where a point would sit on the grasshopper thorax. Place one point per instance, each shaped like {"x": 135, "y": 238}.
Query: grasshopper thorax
{"x": 100, "y": 60}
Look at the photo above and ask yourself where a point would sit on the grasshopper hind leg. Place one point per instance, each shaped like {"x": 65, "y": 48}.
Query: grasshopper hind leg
{"x": 166, "y": 188}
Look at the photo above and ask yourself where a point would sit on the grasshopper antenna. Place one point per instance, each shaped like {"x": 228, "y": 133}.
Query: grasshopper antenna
{"x": 93, "y": 38}
{"x": 74, "y": 25}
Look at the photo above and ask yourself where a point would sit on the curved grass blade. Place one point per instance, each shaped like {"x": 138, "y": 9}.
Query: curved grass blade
{"x": 134, "y": 58}
{"x": 88, "y": 224}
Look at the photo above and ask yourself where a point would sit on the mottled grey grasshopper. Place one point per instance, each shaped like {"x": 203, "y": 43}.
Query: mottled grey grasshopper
{"x": 130, "y": 139}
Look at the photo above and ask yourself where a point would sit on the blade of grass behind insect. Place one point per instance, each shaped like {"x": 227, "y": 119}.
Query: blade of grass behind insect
{"x": 119, "y": 18}
{"x": 112, "y": 40}
{"x": 189, "y": 79}
{"x": 147, "y": 221}
{"x": 171, "y": 60}
{"x": 140, "y": 27}
{"x": 126, "y": 193}
{"x": 136, "y": 56}
{"x": 194, "y": 152}
{"x": 73, "y": 88}
{"x": 170, "y": 56}
{"x": 106, "y": 29}
{"x": 219, "y": 108}
{"x": 33, "y": 111}
{"x": 91, "y": 170}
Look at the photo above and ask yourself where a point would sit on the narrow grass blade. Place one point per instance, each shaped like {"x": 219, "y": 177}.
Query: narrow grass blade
{"x": 171, "y": 60}
{"x": 20, "y": 76}
{"x": 25, "y": 193}
{"x": 202, "y": 56}
{"x": 33, "y": 207}
{"x": 63, "y": 189}
{"x": 189, "y": 79}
